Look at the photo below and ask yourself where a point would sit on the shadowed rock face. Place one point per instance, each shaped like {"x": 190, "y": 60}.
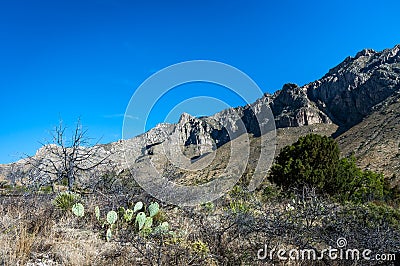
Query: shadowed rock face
{"x": 349, "y": 91}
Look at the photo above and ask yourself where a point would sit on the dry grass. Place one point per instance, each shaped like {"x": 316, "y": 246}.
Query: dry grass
{"x": 33, "y": 232}
{"x": 16, "y": 247}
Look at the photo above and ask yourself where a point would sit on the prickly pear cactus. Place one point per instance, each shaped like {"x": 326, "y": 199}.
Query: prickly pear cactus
{"x": 112, "y": 217}
{"x": 162, "y": 228}
{"x": 153, "y": 209}
{"x": 78, "y": 209}
{"x": 148, "y": 223}
{"x": 138, "y": 206}
{"x": 97, "y": 212}
{"x": 140, "y": 219}
{"x": 108, "y": 234}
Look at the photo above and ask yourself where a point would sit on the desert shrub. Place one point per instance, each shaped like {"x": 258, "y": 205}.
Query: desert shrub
{"x": 239, "y": 200}
{"x": 200, "y": 247}
{"x": 382, "y": 213}
{"x": 66, "y": 200}
{"x": 313, "y": 161}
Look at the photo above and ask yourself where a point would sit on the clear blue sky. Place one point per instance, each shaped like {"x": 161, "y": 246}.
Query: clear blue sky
{"x": 84, "y": 59}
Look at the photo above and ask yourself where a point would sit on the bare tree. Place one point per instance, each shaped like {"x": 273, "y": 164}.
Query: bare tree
{"x": 67, "y": 160}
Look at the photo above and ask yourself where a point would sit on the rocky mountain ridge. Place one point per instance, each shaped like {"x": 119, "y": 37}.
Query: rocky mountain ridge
{"x": 348, "y": 94}
{"x": 344, "y": 96}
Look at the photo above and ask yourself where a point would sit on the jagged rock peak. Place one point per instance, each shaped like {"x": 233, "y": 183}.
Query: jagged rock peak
{"x": 185, "y": 117}
{"x": 291, "y": 107}
{"x": 365, "y": 52}
{"x": 289, "y": 87}
{"x": 365, "y": 60}
{"x": 349, "y": 91}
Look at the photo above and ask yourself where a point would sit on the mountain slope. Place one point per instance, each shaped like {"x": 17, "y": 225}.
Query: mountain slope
{"x": 376, "y": 140}
{"x": 356, "y": 101}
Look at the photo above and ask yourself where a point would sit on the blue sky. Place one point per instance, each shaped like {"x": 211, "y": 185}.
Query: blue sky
{"x": 85, "y": 59}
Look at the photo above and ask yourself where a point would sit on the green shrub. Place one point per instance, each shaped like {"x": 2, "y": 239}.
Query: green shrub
{"x": 200, "y": 248}
{"x": 237, "y": 206}
{"x": 239, "y": 201}
{"x": 269, "y": 192}
{"x": 208, "y": 206}
{"x": 313, "y": 161}
{"x": 66, "y": 200}
{"x": 372, "y": 215}
{"x": 383, "y": 213}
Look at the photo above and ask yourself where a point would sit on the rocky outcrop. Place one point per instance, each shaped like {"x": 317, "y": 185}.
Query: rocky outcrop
{"x": 292, "y": 108}
{"x": 195, "y": 135}
{"x": 349, "y": 91}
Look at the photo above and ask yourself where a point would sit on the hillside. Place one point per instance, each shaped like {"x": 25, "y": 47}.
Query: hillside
{"x": 108, "y": 219}
{"x": 375, "y": 141}
{"x": 356, "y": 102}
